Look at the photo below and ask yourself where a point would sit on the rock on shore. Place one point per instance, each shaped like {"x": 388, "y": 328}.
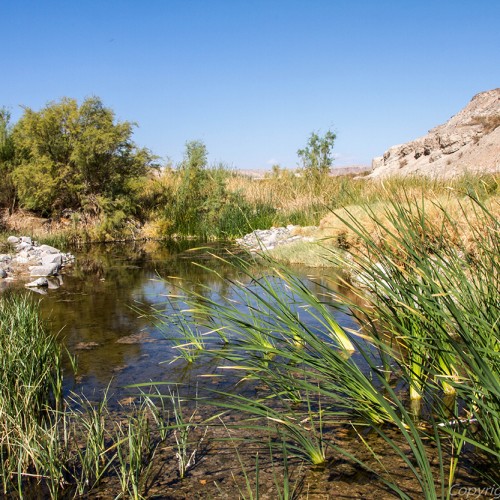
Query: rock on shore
{"x": 267, "y": 239}
{"x": 29, "y": 259}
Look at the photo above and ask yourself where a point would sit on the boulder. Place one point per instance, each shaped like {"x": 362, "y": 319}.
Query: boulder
{"x": 3, "y": 273}
{"x": 52, "y": 258}
{"x": 24, "y": 245}
{"x": 48, "y": 249}
{"x": 26, "y": 239}
{"x": 48, "y": 270}
{"x": 13, "y": 240}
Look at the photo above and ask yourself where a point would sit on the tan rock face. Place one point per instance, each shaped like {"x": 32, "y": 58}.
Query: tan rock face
{"x": 467, "y": 142}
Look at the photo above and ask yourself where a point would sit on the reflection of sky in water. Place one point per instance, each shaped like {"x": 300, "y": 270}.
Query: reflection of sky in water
{"x": 94, "y": 311}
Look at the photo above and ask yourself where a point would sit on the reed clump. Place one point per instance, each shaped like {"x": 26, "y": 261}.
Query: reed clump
{"x": 414, "y": 357}
{"x": 52, "y": 447}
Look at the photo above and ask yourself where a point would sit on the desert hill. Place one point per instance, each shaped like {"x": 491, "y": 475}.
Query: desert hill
{"x": 467, "y": 142}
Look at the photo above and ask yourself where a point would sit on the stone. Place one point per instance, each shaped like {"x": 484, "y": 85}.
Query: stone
{"x": 52, "y": 258}
{"x": 3, "y": 273}
{"x": 48, "y": 249}
{"x": 43, "y": 282}
{"x": 26, "y": 239}
{"x": 13, "y": 240}
{"x": 24, "y": 245}
{"x": 48, "y": 270}
{"x": 5, "y": 257}
{"x": 267, "y": 239}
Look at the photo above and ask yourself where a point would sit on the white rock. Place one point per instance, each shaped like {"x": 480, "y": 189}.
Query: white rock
{"x": 48, "y": 270}
{"x": 52, "y": 258}
{"x": 48, "y": 249}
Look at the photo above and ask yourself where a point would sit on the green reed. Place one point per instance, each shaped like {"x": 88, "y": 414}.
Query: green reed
{"x": 429, "y": 316}
{"x": 30, "y": 382}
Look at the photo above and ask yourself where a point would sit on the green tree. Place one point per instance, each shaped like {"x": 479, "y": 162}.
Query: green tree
{"x": 71, "y": 156}
{"x": 317, "y": 156}
{"x": 7, "y": 191}
{"x": 192, "y": 192}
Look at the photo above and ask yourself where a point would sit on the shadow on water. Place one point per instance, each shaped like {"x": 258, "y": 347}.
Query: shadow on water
{"x": 94, "y": 313}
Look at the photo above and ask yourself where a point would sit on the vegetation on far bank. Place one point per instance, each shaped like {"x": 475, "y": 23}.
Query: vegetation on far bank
{"x": 77, "y": 169}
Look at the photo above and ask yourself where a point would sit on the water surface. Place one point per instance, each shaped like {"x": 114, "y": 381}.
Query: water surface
{"x": 95, "y": 312}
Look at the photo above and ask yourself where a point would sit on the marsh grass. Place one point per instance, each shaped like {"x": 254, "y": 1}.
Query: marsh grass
{"x": 227, "y": 204}
{"x": 30, "y": 383}
{"x": 428, "y": 304}
{"x": 55, "y": 448}
{"x": 136, "y": 449}
{"x": 186, "y": 450}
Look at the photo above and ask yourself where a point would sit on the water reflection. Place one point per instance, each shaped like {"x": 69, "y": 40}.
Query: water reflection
{"x": 93, "y": 311}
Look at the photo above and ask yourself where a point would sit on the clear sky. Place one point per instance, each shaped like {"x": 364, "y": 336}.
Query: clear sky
{"x": 253, "y": 78}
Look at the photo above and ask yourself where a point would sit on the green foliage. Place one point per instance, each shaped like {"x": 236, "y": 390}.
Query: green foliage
{"x": 200, "y": 204}
{"x": 316, "y": 157}
{"x": 7, "y": 192}
{"x": 67, "y": 155}
{"x": 428, "y": 325}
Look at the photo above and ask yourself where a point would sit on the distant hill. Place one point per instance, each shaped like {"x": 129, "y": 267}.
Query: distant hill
{"x": 467, "y": 142}
{"x": 347, "y": 170}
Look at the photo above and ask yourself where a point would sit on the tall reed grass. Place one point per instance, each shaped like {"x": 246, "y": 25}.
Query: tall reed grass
{"x": 30, "y": 384}
{"x": 54, "y": 448}
{"x": 425, "y": 373}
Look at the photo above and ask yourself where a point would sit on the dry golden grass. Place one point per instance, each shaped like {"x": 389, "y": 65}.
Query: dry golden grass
{"x": 452, "y": 215}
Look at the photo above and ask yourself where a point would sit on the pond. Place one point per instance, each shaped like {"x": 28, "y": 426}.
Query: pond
{"x": 94, "y": 311}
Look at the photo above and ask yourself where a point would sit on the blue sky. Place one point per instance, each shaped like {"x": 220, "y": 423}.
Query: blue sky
{"x": 252, "y": 79}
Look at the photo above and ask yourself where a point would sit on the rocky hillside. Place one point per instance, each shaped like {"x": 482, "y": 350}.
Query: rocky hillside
{"x": 467, "y": 142}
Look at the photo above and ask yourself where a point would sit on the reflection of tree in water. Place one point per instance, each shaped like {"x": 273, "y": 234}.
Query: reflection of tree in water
{"x": 94, "y": 304}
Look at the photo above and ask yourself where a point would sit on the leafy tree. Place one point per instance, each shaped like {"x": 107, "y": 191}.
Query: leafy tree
{"x": 7, "y": 191}
{"x": 192, "y": 192}
{"x": 317, "y": 156}
{"x": 70, "y": 156}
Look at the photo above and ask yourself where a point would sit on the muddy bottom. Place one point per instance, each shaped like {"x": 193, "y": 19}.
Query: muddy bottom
{"x": 230, "y": 457}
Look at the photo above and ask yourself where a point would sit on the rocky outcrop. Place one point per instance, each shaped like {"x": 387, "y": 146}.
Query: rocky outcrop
{"x": 468, "y": 142}
{"x": 30, "y": 259}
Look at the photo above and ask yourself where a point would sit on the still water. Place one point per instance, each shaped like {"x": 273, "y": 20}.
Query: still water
{"x": 95, "y": 312}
